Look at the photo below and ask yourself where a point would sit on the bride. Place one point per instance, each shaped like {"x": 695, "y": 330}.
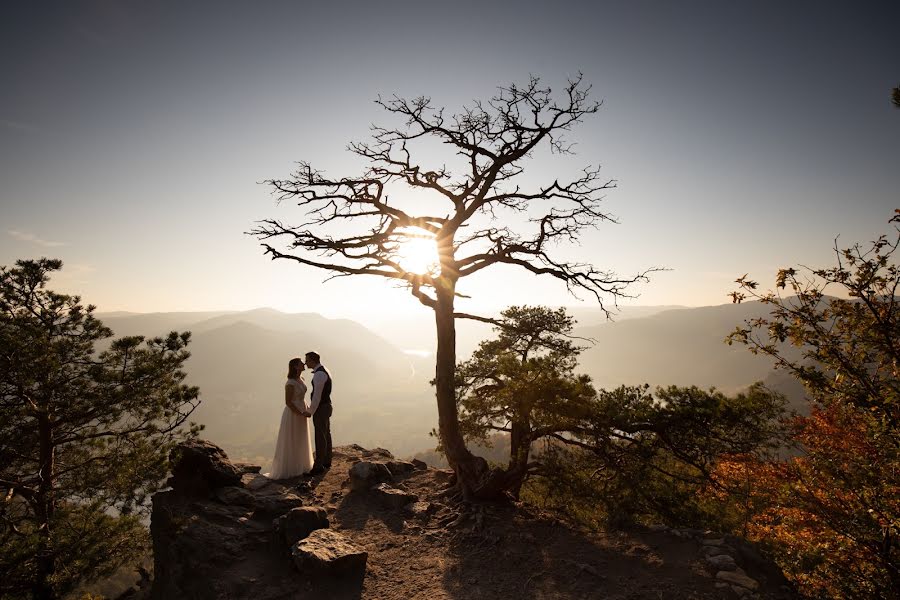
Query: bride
{"x": 293, "y": 450}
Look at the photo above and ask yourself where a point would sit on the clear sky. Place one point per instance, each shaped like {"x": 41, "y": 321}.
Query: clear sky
{"x": 133, "y": 135}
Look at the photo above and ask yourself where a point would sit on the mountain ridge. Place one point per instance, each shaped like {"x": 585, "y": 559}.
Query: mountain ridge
{"x": 382, "y": 394}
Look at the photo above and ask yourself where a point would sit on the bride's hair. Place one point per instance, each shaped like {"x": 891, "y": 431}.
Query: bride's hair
{"x": 294, "y": 367}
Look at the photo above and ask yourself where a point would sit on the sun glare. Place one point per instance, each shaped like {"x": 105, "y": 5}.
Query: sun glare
{"x": 418, "y": 255}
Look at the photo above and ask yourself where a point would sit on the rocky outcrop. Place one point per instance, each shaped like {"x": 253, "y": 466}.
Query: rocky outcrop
{"x": 376, "y": 527}
{"x": 201, "y": 466}
{"x": 728, "y": 558}
{"x": 225, "y": 531}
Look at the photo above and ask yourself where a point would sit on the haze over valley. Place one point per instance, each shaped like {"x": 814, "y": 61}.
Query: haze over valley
{"x": 383, "y": 397}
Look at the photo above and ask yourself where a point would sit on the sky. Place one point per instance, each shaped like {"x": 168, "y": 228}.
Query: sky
{"x": 134, "y": 136}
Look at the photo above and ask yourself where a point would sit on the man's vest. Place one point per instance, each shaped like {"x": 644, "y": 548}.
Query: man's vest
{"x": 326, "y": 391}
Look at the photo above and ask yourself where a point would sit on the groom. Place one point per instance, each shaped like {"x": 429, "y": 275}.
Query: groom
{"x": 320, "y": 411}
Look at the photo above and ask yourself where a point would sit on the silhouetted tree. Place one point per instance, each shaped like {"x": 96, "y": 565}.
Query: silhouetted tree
{"x": 895, "y": 96}
{"x": 836, "y": 508}
{"x": 356, "y": 228}
{"x": 523, "y": 383}
{"x": 84, "y": 439}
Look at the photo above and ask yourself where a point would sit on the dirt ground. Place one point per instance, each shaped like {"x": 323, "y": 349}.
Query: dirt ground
{"x": 497, "y": 551}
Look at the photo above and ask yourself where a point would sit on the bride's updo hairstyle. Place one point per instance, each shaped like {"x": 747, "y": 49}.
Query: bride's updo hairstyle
{"x": 295, "y": 366}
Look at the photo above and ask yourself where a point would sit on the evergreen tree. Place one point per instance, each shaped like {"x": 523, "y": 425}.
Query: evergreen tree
{"x": 84, "y": 437}
{"x": 524, "y": 383}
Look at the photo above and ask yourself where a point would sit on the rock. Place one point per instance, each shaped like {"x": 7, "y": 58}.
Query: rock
{"x": 420, "y": 465}
{"x": 398, "y": 468}
{"x": 714, "y": 550}
{"x": 201, "y": 466}
{"x": 215, "y": 510}
{"x": 304, "y": 487}
{"x": 749, "y": 555}
{"x": 695, "y": 533}
{"x": 714, "y": 542}
{"x": 392, "y": 497}
{"x": 298, "y": 523}
{"x": 254, "y": 481}
{"x": 418, "y": 508}
{"x": 658, "y": 528}
{"x": 349, "y": 450}
{"x": 234, "y": 495}
{"x": 366, "y": 474}
{"x": 247, "y": 467}
{"x": 191, "y": 546}
{"x": 277, "y": 504}
{"x": 721, "y": 562}
{"x": 326, "y": 553}
{"x": 738, "y": 578}
{"x": 444, "y": 475}
{"x": 381, "y": 452}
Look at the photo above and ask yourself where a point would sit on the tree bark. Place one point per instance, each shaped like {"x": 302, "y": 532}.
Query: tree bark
{"x": 519, "y": 451}
{"x": 469, "y": 468}
{"x": 43, "y": 587}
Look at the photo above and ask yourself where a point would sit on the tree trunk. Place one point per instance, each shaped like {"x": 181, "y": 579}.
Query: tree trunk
{"x": 519, "y": 451}
{"x": 43, "y": 587}
{"x": 469, "y": 469}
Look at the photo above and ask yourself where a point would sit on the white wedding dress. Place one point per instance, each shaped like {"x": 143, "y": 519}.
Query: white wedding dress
{"x": 293, "y": 450}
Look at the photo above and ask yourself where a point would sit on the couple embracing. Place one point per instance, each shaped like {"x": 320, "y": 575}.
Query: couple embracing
{"x": 293, "y": 450}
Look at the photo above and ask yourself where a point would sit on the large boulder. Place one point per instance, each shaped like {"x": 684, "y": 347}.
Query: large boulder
{"x": 399, "y": 468}
{"x": 201, "y": 466}
{"x": 298, "y": 523}
{"x": 392, "y": 497}
{"x": 326, "y": 553}
{"x": 366, "y": 474}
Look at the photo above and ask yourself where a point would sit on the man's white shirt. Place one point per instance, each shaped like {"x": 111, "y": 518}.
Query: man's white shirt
{"x": 318, "y": 384}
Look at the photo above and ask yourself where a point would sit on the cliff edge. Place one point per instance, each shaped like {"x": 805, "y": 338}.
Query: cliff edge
{"x": 374, "y": 527}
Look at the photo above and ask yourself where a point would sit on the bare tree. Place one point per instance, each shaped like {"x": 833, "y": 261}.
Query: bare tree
{"x": 355, "y": 228}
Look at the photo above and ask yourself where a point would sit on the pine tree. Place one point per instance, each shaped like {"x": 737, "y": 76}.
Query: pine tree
{"x": 84, "y": 436}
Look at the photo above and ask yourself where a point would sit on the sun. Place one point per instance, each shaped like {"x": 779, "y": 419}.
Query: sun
{"x": 418, "y": 255}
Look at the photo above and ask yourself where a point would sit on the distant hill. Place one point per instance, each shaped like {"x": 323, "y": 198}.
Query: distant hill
{"x": 415, "y": 329}
{"x": 589, "y": 316}
{"x": 684, "y": 346}
{"x": 382, "y": 394}
{"x": 239, "y": 361}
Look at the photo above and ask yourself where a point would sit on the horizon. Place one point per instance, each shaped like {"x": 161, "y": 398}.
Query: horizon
{"x": 134, "y": 138}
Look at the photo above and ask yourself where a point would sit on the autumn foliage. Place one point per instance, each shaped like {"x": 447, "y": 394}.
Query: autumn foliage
{"x": 820, "y": 491}
{"x": 832, "y": 512}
